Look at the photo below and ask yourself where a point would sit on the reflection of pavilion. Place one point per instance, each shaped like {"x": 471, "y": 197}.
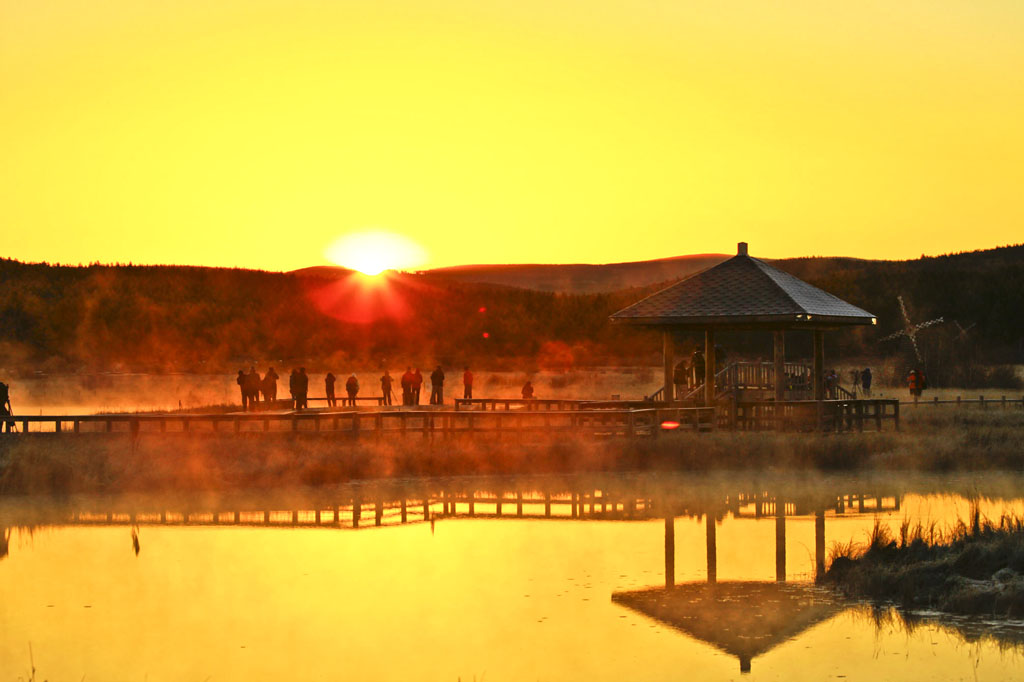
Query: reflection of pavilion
{"x": 743, "y": 619}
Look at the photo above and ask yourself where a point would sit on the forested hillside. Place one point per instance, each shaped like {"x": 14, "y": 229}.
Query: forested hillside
{"x": 164, "y": 318}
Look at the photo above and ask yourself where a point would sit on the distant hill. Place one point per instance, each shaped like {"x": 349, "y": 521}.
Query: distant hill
{"x": 581, "y": 278}
{"x": 169, "y": 318}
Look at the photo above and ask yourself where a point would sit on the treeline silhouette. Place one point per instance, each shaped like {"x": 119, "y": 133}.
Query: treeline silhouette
{"x": 195, "y": 319}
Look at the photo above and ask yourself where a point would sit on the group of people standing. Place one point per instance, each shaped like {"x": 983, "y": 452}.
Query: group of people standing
{"x": 252, "y": 386}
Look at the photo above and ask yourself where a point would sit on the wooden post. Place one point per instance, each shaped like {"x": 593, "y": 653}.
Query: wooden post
{"x": 819, "y": 365}
{"x": 379, "y": 512}
{"x": 670, "y": 552}
{"x": 709, "y": 368}
{"x": 712, "y": 548}
{"x": 819, "y": 543}
{"x": 668, "y": 349}
{"x": 780, "y": 540}
{"x": 780, "y": 365}
{"x": 404, "y": 511}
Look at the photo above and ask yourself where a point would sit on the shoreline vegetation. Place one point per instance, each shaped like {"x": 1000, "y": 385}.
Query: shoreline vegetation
{"x": 935, "y": 439}
{"x": 971, "y": 570}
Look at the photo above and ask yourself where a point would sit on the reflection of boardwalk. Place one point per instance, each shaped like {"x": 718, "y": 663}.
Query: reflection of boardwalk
{"x": 357, "y": 506}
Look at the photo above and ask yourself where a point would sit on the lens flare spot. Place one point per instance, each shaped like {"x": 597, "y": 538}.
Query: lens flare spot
{"x": 669, "y": 425}
{"x": 373, "y": 252}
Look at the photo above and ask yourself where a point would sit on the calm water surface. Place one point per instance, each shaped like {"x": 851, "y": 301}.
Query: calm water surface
{"x": 276, "y": 595}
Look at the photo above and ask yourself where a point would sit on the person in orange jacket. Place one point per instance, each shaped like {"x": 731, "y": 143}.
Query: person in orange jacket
{"x": 916, "y": 383}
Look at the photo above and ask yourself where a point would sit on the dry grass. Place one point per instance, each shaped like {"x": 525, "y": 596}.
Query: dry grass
{"x": 967, "y": 569}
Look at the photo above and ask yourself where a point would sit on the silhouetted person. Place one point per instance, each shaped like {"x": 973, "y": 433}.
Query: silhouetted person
{"x": 680, "y": 378}
{"x": 698, "y": 366}
{"x": 831, "y": 382}
{"x": 269, "y": 386}
{"x": 5, "y": 407}
{"x": 407, "y": 381}
{"x": 252, "y": 387}
{"x": 293, "y": 387}
{"x": 417, "y": 384}
{"x": 352, "y": 388}
{"x": 467, "y": 385}
{"x": 916, "y": 382}
{"x": 528, "y": 390}
{"x": 865, "y": 381}
{"x": 437, "y": 386}
{"x": 302, "y": 389}
{"x": 240, "y": 380}
{"x": 385, "y": 387}
{"x": 329, "y": 387}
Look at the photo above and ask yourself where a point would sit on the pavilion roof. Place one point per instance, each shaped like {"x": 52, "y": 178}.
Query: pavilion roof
{"x": 743, "y": 290}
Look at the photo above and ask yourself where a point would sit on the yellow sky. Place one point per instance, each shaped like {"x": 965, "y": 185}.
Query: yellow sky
{"x": 257, "y": 132}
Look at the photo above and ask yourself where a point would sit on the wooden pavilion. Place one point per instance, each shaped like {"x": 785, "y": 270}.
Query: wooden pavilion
{"x": 743, "y": 294}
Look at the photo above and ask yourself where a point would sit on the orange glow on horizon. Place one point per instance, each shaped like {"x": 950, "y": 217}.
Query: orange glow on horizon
{"x": 359, "y": 298}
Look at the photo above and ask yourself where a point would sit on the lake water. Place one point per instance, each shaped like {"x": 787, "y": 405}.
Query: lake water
{"x": 275, "y": 586}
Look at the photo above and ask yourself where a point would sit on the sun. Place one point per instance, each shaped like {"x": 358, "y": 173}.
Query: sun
{"x": 374, "y": 251}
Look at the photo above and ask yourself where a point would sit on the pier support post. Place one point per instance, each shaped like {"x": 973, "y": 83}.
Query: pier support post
{"x": 712, "y": 547}
{"x": 819, "y": 543}
{"x": 670, "y": 551}
{"x": 780, "y": 540}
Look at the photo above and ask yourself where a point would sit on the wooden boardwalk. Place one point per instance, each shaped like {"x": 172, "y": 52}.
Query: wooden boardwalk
{"x": 405, "y": 423}
{"x": 515, "y": 422}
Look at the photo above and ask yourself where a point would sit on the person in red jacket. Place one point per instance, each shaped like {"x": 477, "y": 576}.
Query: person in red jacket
{"x": 467, "y": 385}
{"x": 916, "y": 383}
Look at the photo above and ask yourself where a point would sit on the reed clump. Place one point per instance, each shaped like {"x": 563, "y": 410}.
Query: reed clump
{"x": 975, "y": 569}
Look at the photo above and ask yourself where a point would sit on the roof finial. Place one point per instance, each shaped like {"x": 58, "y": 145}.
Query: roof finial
{"x": 741, "y": 249}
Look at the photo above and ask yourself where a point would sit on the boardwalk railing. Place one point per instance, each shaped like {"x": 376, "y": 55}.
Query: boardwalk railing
{"x": 429, "y": 424}
{"x": 828, "y": 415}
{"x": 587, "y": 419}
{"x": 1002, "y": 402}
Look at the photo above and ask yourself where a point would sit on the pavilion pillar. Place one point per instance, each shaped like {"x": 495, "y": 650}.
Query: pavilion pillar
{"x": 712, "y": 547}
{"x": 819, "y": 544}
{"x": 669, "y": 349}
{"x": 780, "y": 539}
{"x": 819, "y": 365}
{"x": 709, "y": 368}
{"x": 670, "y": 551}
{"x": 780, "y": 366}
